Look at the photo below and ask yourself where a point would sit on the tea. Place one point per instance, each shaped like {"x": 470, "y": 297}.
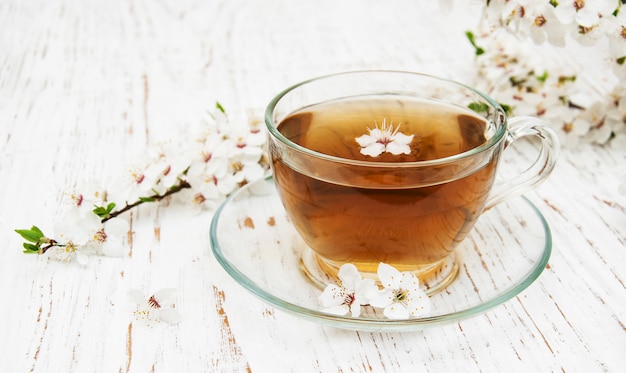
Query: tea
{"x": 412, "y": 225}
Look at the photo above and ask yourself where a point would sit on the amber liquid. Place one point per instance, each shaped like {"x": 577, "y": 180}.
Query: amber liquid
{"x": 409, "y": 228}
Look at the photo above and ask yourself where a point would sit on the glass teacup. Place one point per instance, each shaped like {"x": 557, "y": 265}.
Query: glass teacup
{"x": 392, "y": 167}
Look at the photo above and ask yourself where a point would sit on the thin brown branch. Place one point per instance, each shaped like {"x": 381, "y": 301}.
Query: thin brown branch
{"x": 182, "y": 184}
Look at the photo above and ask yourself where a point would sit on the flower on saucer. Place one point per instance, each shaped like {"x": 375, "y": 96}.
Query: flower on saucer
{"x": 384, "y": 139}
{"x": 401, "y": 297}
{"x": 349, "y": 294}
{"x": 159, "y": 306}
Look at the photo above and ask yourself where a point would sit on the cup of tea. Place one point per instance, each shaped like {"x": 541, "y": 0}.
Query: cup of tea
{"x": 393, "y": 167}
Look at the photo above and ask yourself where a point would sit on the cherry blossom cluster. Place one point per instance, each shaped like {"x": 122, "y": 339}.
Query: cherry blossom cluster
{"x": 586, "y": 21}
{"x": 222, "y": 158}
{"x": 400, "y": 297}
{"x": 565, "y": 93}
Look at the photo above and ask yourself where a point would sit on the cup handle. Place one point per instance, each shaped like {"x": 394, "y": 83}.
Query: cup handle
{"x": 534, "y": 175}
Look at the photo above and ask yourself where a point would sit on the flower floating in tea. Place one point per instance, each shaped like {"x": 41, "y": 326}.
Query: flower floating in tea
{"x": 349, "y": 294}
{"x": 400, "y": 297}
{"x": 384, "y": 139}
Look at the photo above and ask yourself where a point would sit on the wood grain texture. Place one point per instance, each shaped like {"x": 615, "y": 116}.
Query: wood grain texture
{"x": 87, "y": 87}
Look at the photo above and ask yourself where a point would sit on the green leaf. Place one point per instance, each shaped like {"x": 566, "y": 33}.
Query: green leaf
{"x": 543, "y": 77}
{"x": 35, "y": 228}
{"x": 29, "y": 248}
{"x": 470, "y": 36}
{"x": 565, "y": 79}
{"x": 621, "y": 60}
{"x": 507, "y": 108}
{"x": 479, "y": 107}
{"x": 219, "y": 107}
{"x": 33, "y": 234}
{"x": 515, "y": 82}
{"x": 147, "y": 199}
{"x": 102, "y": 211}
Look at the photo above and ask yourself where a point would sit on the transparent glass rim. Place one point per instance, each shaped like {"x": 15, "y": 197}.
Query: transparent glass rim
{"x": 489, "y": 144}
{"x": 367, "y": 323}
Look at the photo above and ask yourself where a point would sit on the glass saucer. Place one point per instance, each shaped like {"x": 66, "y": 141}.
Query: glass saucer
{"x": 253, "y": 240}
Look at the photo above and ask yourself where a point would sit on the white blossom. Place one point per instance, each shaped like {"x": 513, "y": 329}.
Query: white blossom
{"x": 615, "y": 29}
{"x": 349, "y": 294}
{"x": 165, "y": 167}
{"x": 543, "y": 25}
{"x": 401, "y": 297}
{"x": 585, "y": 13}
{"x": 157, "y": 307}
{"x": 70, "y": 251}
{"x": 384, "y": 139}
{"x": 110, "y": 238}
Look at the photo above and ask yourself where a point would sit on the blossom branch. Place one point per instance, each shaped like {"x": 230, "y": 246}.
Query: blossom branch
{"x": 222, "y": 158}
{"x": 182, "y": 184}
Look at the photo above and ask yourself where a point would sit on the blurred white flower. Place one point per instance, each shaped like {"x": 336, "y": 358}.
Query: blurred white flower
{"x": 135, "y": 183}
{"x": 157, "y": 307}
{"x": 585, "y": 13}
{"x": 110, "y": 238}
{"x": 544, "y": 25}
{"x": 77, "y": 226}
{"x": 166, "y": 166}
{"x": 69, "y": 252}
{"x": 616, "y": 31}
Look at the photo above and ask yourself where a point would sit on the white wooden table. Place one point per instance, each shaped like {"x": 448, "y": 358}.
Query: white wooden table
{"x": 87, "y": 87}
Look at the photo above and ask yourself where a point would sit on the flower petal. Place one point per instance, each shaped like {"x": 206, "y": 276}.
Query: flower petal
{"x": 136, "y": 296}
{"x": 401, "y": 138}
{"x": 397, "y": 148}
{"x": 337, "y": 310}
{"x": 166, "y": 296}
{"x": 396, "y": 311}
{"x": 349, "y": 276}
{"x": 380, "y": 298}
{"x": 363, "y": 289}
{"x": 170, "y": 315}
{"x": 565, "y": 13}
{"x": 587, "y": 17}
{"x": 420, "y": 304}
{"x": 332, "y": 295}
{"x": 409, "y": 281}
{"x": 116, "y": 226}
{"x": 389, "y": 276}
{"x": 365, "y": 140}
{"x": 373, "y": 150}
